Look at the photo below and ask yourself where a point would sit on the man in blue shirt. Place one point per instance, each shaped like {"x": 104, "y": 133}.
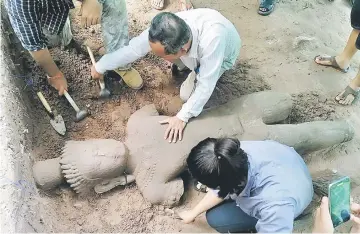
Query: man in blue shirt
{"x": 261, "y": 185}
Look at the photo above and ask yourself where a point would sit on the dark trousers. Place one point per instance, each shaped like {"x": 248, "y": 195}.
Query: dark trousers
{"x": 227, "y": 217}
{"x": 355, "y": 20}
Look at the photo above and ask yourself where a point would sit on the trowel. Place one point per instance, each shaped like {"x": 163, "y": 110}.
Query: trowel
{"x": 57, "y": 122}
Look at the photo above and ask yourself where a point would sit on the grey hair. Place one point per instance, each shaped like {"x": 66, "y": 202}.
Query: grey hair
{"x": 170, "y": 30}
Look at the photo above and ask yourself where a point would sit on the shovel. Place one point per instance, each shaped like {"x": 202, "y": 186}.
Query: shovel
{"x": 104, "y": 92}
{"x": 57, "y": 122}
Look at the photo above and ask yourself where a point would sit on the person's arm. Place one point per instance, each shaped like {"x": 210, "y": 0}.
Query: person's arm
{"x": 45, "y": 61}
{"x": 323, "y": 222}
{"x": 275, "y": 217}
{"x": 209, "y": 201}
{"x": 25, "y": 20}
{"x": 355, "y": 218}
{"x": 55, "y": 77}
{"x": 322, "y": 219}
{"x": 210, "y": 67}
{"x": 138, "y": 47}
{"x": 209, "y": 74}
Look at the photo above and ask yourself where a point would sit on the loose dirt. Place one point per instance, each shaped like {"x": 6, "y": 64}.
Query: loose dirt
{"x": 277, "y": 54}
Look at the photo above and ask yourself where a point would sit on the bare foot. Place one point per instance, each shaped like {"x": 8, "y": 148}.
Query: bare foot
{"x": 347, "y": 96}
{"x": 185, "y": 5}
{"x": 157, "y": 4}
{"x": 332, "y": 61}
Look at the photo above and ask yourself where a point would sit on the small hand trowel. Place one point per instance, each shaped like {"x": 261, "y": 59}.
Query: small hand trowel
{"x": 57, "y": 122}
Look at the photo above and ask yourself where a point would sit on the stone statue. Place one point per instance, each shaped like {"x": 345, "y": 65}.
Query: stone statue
{"x": 156, "y": 164}
{"x": 84, "y": 164}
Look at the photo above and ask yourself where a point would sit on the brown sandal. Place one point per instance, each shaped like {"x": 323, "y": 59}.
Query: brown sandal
{"x": 332, "y": 61}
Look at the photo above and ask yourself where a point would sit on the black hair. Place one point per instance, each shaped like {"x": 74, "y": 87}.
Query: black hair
{"x": 170, "y": 30}
{"x": 219, "y": 163}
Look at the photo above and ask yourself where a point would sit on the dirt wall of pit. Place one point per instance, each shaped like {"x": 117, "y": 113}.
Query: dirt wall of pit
{"x": 20, "y": 204}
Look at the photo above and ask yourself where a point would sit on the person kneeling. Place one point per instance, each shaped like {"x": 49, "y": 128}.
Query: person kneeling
{"x": 260, "y": 185}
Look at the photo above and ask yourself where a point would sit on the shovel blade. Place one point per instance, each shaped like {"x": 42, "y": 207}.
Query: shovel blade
{"x": 58, "y": 124}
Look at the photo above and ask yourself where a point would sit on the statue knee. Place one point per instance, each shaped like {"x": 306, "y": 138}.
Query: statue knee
{"x": 272, "y": 107}
{"x": 167, "y": 194}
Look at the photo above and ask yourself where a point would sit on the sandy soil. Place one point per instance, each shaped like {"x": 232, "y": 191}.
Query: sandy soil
{"x": 277, "y": 54}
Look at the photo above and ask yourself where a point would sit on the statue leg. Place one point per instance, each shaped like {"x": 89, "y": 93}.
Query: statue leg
{"x": 167, "y": 194}
{"x": 270, "y": 107}
{"x": 155, "y": 184}
{"x": 312, "y": 136}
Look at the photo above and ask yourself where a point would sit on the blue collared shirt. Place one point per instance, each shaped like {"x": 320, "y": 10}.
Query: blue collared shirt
{"x": 279, "y": 186}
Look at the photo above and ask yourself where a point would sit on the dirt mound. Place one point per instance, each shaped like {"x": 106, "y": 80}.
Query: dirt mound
{"x": 123, "y": 210}
{"x": 311, "y": 107}
{"x": 236, "y": 82}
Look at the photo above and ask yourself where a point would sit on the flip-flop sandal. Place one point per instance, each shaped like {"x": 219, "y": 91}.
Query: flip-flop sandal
{"x": 185, "y": 5}
{"x": 269, "y": 5}
{"x": 348, "y": 90}
{"x": 332, "y": 64}
{"x": 160, "y": 5}
{"x": 202, "y": 188}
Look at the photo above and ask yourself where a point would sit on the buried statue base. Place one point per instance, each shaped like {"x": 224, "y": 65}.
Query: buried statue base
{"x": 157, "y": 164}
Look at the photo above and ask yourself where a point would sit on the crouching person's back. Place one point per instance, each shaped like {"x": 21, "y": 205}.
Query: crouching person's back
{"x": 260, "y": 185}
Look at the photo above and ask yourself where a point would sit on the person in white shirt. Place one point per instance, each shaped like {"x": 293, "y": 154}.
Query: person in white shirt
{"x": 202, "y": 40}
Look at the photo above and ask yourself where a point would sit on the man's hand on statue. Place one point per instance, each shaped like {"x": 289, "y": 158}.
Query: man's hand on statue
{"x": 96, "y": 75}
{"x": 90, "y": 13}
{"x": 187, "y": 216}
{"x": 174, "y": 130}
{"x": 58, "y": 82}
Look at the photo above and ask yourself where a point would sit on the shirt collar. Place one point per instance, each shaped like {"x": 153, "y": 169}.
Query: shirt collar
{"x": 194, "y": 43}
{"x": 250, "y": 181}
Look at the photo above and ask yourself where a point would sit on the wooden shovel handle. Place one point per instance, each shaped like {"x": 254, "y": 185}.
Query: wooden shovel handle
{"x": 71, "y": 101}
{"x": 46, "y": 104}
{"x": 91, "y": 55}
{"x": 101, "y": 82}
